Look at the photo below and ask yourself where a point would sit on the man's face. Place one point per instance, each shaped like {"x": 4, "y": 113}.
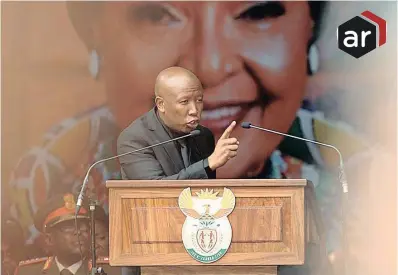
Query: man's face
{"x": 251, "y": 58}
{"x": 181, "y": 104}
{"x": 63, "y": 239}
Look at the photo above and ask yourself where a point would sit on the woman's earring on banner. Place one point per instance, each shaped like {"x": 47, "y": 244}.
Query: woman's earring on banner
{"x": 93, "y": 64}
{"x": 313, "y": 59}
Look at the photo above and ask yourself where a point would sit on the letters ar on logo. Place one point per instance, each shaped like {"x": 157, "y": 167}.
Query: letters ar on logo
{"x": 362, "y": 34}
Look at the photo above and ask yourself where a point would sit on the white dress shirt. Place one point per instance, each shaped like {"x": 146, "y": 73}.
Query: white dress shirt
{"x": 73, "y": 268}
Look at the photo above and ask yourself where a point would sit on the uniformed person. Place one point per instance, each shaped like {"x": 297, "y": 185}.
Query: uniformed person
{"x": 55, "y": 220}
{"x": 70, "y": 251}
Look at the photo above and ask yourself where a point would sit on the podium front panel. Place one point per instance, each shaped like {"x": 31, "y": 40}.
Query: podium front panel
{"x": 267, "y": 223}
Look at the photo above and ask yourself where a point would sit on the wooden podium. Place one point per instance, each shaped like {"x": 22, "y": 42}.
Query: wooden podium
{"x": 270, "y": 226}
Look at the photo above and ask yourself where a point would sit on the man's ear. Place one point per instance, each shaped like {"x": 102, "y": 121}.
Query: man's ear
{"x": 159, "y": 101}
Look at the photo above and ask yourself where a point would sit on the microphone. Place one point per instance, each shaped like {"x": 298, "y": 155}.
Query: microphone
{"x": 342, "y": 176}
{"x": 342, "y": 179}
{"x": 85, "y": 181}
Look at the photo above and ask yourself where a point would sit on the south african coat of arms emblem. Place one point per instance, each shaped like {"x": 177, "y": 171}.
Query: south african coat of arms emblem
{"x": 206, "y": 232}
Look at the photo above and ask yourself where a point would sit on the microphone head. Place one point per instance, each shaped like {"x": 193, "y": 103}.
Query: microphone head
{"x": 246, "y": 125}
{"x": 195, "y": 133}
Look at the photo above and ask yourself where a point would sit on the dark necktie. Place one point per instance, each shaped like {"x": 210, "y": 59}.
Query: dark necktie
{"x": 66, "y": 271}
{"x": 185, "y": 153}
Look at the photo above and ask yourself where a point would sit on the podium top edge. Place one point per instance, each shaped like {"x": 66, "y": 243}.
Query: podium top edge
{"x": 206, "y": 183}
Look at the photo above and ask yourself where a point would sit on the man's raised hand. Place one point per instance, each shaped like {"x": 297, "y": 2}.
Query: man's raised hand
{"x": 226, "y": 149}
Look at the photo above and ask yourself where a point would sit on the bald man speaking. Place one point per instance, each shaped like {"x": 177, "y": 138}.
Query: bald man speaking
{"x": 179, "y": 104}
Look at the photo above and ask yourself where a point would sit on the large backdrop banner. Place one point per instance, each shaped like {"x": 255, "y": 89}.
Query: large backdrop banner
{"x": 74, "y": 74}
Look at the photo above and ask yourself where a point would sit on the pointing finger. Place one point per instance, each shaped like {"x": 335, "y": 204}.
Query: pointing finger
{"x": 228, "y": 131}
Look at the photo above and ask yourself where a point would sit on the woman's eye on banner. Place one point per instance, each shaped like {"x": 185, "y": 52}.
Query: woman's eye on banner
{"x": 155, "y": 15}
{"x": 261, "y": 14}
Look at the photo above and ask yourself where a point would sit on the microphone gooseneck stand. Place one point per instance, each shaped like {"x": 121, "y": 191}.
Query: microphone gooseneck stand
{"x": 94, "y": 269}
{"x": 343, "y": 182}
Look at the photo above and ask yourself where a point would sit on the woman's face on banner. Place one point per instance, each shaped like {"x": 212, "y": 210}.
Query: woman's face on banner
{"x": 251, "y": 58}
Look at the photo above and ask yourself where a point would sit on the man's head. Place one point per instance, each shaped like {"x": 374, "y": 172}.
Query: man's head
{"x": 64, "y": 243}
{"x": 56, "y": 220}
{"x": 179, "y": 99}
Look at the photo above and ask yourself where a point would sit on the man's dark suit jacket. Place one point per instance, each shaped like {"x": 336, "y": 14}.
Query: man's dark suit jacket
{"x": 164, "y": 161}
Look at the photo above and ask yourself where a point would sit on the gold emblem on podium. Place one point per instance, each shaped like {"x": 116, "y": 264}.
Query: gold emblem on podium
{"x": 206, "y": 232}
